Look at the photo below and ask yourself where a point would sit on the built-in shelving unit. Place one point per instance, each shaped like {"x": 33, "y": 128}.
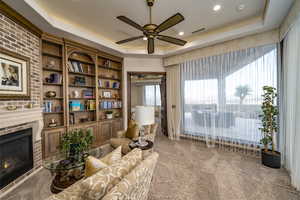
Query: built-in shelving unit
{"x": 87, "y": 84}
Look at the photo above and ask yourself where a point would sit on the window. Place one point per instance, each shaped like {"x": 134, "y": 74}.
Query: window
{"x": 201, "y": 91}
{"x": 245, "y": 85}
{"x": 152, "y": 95}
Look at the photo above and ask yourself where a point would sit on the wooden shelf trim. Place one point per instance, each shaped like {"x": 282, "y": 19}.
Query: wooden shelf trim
{"x": 52, "y": 55}
{"x": 108, "y": 78}
{"x": 52, "y": 69}
{"x": 82, "y": 74}
{"x": 104, "y": 88}
{"x": 52, "y": 113}
{"x": 82, "y": 61}
{"x": 53, "y": 84}
{"x": 109, "y": 68}
{"x": 82, "y": 86}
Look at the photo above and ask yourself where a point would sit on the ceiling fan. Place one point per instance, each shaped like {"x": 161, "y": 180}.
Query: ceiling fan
{"x": 152, "y": 31}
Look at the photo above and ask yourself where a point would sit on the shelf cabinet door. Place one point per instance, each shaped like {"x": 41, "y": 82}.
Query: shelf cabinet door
{"x": 105, "y": 130}
{"x": 51, "y": 141}
{"x": 117, "y": 125}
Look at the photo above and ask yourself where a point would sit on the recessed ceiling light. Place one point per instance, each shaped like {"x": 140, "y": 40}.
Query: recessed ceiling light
{"x": 240, "y": 7}
{"x": 217, "y": 7}
{"x": 145, "y": 38}
{"x": 181, "y": 33}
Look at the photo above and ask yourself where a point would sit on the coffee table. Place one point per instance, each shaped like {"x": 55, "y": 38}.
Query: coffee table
{"x": 66, "y": 172}
{"x": 146, "y": 149}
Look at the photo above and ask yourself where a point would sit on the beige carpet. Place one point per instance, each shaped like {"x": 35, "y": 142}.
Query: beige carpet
{"x": 187, "y": 170}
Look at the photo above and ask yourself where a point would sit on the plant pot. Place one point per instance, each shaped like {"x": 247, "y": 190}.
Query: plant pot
{"x": 109, "y": 116}
{"x": 271, "y": 160}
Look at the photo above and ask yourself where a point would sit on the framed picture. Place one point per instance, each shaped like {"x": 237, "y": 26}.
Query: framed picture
{"x": 107, "y": 94}
{"x": 14, "y": 75}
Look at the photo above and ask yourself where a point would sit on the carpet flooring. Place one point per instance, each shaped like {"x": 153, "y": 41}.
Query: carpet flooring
{"x": 187, "y": 170}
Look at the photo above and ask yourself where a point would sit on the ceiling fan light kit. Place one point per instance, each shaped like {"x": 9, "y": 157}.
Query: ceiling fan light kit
{"x": 152, "y": 31}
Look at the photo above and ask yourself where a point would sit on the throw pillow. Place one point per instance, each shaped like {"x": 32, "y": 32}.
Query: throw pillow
{"x": 132, "y": 132}
{"x": 113, "y": 156}
{"x": 93, "y": 165}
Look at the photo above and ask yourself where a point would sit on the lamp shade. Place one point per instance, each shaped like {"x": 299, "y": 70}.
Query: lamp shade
{"x": 144, "y": 115}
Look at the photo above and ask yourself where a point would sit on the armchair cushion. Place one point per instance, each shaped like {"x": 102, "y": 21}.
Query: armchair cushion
{"x": 124, "y": 142}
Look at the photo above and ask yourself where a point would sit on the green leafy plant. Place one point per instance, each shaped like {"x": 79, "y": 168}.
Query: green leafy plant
{"x": 77, "y": 140}
{"x": 269, "y": 117}
{"x": 242, "y": 92}
{"x": 109, "y": 112}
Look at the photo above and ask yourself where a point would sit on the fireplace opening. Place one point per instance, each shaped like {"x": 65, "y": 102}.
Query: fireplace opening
{"x": 16, "y": 155}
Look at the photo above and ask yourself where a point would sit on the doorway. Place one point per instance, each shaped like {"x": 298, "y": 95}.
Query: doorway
{"x": 148, "y": 89}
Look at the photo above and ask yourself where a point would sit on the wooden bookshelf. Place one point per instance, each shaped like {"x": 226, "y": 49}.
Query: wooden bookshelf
{"x": 52, "y": 65}
{"x": 79, "y": 84}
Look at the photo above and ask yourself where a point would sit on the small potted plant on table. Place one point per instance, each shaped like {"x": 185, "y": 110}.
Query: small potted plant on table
{"x": 270, "y": 157}
{"x": 76, "y": 143}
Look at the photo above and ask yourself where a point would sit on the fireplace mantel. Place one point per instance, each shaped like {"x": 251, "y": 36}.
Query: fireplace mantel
{"x": 22, "y": 116}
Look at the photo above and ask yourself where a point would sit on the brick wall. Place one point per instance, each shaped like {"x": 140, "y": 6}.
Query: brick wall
{"x": 15, "y": 38}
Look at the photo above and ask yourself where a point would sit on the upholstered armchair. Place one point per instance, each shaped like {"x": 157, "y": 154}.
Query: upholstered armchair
{"x": 123, "y": 140}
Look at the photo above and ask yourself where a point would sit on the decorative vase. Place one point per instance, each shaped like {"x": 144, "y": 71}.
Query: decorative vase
{"x": 109, "y": 116}
{"x": 271, "y": 160}
{"x": 51, "y": 94}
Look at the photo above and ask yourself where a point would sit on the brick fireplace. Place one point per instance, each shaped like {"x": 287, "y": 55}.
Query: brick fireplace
{"x": 23, "y": 123}
{"x": 19, "y": 39}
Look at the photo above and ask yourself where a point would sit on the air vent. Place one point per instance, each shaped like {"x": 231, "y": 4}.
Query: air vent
{"x": 199, "y": 30}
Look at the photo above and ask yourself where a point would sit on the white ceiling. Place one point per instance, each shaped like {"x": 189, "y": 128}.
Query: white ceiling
{"x": 95, "y": 20}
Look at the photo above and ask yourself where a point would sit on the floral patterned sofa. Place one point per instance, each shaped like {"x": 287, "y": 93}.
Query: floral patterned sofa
{"x": 127, "y": 179}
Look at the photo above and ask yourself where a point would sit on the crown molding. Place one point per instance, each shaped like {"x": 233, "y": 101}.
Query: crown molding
{"x": 19, "y": 19}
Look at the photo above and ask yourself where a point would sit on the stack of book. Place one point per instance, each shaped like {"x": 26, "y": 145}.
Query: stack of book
{"x": 74, "y": 66}
{"x": 88, "y": 94}
{"x": 91, "y": 105}
{"x": 76, "y": 106}
{"x": 48, "y": 106}
{"x": 110, "y": 104}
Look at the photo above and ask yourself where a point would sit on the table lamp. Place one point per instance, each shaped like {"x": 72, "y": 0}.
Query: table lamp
{"x": 144, "y": 115}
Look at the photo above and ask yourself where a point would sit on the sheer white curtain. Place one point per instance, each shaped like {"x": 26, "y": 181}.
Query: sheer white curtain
{"x": 222, "y": 96}
{"x": 173, "y": 102}
{"x": 291, "y": 106}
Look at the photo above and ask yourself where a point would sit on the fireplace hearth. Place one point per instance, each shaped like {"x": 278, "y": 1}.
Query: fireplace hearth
{"x": 16, "y": 155}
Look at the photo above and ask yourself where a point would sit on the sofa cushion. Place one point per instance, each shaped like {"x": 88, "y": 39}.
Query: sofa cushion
{"x": 93, "y": 165}
{"x": 113, "y": 156}
{"x": 96, "y": 186}
{"x": 135, "y": 185}
{"x": 124, "y": 142}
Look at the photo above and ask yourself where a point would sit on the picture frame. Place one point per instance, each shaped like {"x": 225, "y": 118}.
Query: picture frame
{"x": 14, "y": 75}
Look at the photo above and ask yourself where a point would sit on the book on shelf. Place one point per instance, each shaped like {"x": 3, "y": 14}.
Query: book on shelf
{"x": 100, "y": 83}
{"x": 88, "y": 94}
{"x": 116, "y": 85}
{"x": 107, "y": 63}
{"x": 75, "y": 105}
{"x": 54, "y": 78}
{"x": 75, "y": 66}
{"x": 110, "y": 104}
{"x": 91, "y": 105}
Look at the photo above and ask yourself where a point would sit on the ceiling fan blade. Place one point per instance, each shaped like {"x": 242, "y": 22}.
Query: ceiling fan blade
{"x": 150, "y": 45}
{"x": 172, "y": 21}
{"x": 171, "y": 40}
{"x": 129, "y": 39}
{"x": 130, "y": 22}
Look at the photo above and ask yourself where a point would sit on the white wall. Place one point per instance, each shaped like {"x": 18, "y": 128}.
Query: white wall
{"x": 135, "y": 64}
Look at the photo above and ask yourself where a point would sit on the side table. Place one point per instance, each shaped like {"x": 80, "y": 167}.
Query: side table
{"x": 145, "y": 149}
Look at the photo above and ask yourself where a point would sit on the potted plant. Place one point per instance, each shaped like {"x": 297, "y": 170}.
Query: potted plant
{"x": 270, "y": 157}
{"x": 109, "y": 114}
{"x": 76, "y": 143}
